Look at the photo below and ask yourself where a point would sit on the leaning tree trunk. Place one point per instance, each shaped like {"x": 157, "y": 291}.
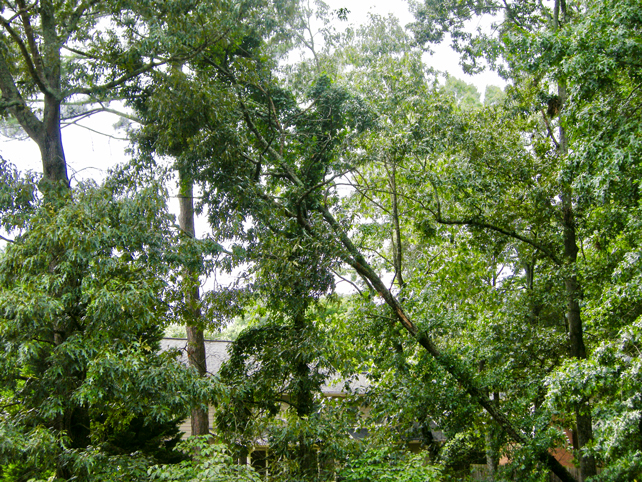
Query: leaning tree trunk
{"x": 195, "y": 339}
{"x": 353, "y": 257}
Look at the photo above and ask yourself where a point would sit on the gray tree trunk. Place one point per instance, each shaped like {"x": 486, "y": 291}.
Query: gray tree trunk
{"x": 583, "y": 418}
{"x": 195, "y": 339}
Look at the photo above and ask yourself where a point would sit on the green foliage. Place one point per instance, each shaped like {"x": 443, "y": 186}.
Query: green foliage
{"x": 384, "y": 464}
{"x": 83, "y": 300}
{"x": 208, "y": 462}
{"x": 575, "y": 74}
{"x": 466, "y": 95}
{"x": 611, "y": 379}
{"x": 18, "y": 197}
{"x": 472, "y": 212}
{"x": 494, "y": 95}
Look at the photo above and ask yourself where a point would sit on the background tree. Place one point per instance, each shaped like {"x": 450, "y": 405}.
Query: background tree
{"x": 80, "y": 404}
{"x": 533, "y": 49}
{"x": 91, "y": 52}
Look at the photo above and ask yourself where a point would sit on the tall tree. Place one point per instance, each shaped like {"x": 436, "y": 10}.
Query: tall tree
{"x": 166, "y": 131}
{"x": 84, "y": 295}
{"x": 89, "y": 52}
{"x": 196, "y": 354}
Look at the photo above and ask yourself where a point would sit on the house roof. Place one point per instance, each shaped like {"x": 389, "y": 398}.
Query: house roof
{"x": 216, "y": 353}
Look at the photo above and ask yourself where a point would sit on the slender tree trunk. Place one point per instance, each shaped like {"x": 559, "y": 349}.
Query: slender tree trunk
{"x": 304, "y": 400}
{"x": 492, "y": 444}
{"x": 583, "y": 418}
{"x": 195, "y": 339}
{"x": 397, "y": 251}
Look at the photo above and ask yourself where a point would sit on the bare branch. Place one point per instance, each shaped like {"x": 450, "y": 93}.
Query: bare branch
{"x": 83, "y": 115}
{"x": 346, "y": 280}
{"x": 75, "y": 123}
{"x": 7, "y": 239}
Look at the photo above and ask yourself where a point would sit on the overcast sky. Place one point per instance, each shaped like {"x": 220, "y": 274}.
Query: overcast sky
{"x": 444, "y": 58}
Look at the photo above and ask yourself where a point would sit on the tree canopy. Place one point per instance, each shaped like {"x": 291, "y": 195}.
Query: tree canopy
{"x": 489, "y": 246}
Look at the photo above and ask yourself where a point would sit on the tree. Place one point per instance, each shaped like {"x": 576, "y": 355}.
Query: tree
{"x": 465, "y": 94}
{"x": 84, "y": 295}
{"x": 274, "y": 175}
{"x": 534, "y": 43}
{"x": 491, "y": 222}
{"x": 260, "y": 21}
{"x": 43, "y": 64}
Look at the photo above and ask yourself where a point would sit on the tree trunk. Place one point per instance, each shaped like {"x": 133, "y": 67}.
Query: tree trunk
{"x": 195, "y": 339}
{"x": 304, "y": 400}
{"x": 583, "y": 418}
{"x": 353, "y": 257}
{"x": 54, "y": 164}
{"x": 397, "y": 250}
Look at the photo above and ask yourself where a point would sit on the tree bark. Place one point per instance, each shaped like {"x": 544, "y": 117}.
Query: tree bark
{"x": 304, "y": 400}
{"x": 195, "y": 340}
{"x": 583, "y": 418}
{"x": 353, "y": 257}
{"x": 54, "y": 164}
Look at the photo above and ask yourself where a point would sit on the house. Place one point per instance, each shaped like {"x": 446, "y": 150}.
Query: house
{"x": 216, "y": 352}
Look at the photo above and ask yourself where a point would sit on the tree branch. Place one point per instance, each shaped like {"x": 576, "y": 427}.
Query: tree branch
{"x": 481, "y": 224}
{"x": 31, "y": 68}
{"x": 507, "y": 232}
{"x": 551, "y": 134}
{"x": 33, "y": 46}
{"x": 7, "y": 239}
{"x": 14, "y": 102}
{"x": 117, "y": 82}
